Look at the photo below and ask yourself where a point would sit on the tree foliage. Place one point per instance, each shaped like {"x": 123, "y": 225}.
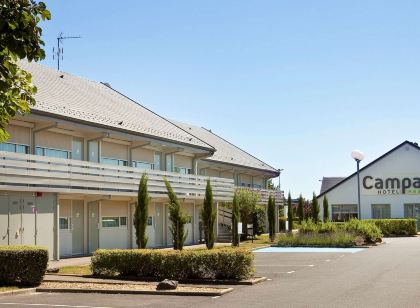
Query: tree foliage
{"x": 235, "y": 220}
{"x": 300, "y": 208}
{"x": 141, "y": 213}
{"x": 326, "y": 210}
{"x": 208, "y": 217}
{"x": 177, "y": 217}
{"x": 20, "y": 38}
{"x": 271, "y": 215}
{"x": 258, "y": 219}
{"x": 290, "y": 213}
{"x": 315, "y": 209}
{"x": 247, "y": 201}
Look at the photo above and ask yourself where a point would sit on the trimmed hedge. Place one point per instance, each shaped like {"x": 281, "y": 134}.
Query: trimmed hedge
{"x": 225, "y": 263}
{"x": 396, "y": 227}
{"x": 364, "y": 228}
{"x": 22, "y": 265}
{"x": 338, "y": 239}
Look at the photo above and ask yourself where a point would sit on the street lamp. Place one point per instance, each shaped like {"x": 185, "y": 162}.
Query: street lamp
{"x": 358, "y": 157}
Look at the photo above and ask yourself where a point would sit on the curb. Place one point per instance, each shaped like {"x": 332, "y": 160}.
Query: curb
{"x": 248, "y": 282}
{"x": 144, "y": 292}
{"x": 18, "y": 292}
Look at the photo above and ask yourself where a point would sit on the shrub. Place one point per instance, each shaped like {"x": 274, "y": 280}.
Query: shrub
{"x": 396, "y": 227}
{"x": 225, "y": 263}
{"x": 22, "y": 265}
{"x": 338, "y": 239}
{"x": 258, "y": 220}
{"x": 364, "y": 228}
{"x": 310, "y": 226}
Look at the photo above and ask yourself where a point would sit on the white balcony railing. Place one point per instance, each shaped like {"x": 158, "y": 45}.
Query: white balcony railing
{"x": 25, "y": 172}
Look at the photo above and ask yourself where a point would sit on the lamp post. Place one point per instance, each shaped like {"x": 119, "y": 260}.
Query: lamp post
{"x": 358, "y": 157}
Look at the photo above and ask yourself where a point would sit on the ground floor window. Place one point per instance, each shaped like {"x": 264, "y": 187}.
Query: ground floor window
{"x": 381, "y": 211}
{"x": 343, "y": 212}
{"x": 114, "y": 222}
{"x": 412, "y": 210}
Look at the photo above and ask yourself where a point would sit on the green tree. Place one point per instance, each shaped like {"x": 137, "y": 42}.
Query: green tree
{"x": 258, "y": 219}
{"x": 315, "y": 209}
{"x": 300, "y": 209}
{"x": 177, "y": 218}
{"x": 271, "y": 215}
{"x": 208, "y": 216}
{"x": 141, "y": 213}
{"x": 290, "y": 213}
{"x": 20, "y": 38}
{"x": 247, "y": 201}
{"x": 326, "y": 212}
{"x": 235, "y": 220}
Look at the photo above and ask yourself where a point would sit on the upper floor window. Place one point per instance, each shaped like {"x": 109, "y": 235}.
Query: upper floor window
{"x": 14, "y": 147}
{"x": 142, "y": 165}
{"x": 114, "y": 161}
{"x": 183, "y": 170}
{"x": 52, "y": 152}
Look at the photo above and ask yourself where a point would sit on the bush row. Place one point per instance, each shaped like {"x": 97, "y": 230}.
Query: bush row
{"x": 22, "y": 265}
{"x": 363, "y": 228}
{"x": 187, "y": 264}
{"x": 338, "y": 239}
{"x": 396, "y": 227}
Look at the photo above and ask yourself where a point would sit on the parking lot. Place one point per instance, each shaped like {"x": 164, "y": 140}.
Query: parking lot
{"x": 383, "y": 276}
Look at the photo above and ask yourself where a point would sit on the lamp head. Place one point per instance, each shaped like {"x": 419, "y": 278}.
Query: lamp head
{"x": 357, "y": 155}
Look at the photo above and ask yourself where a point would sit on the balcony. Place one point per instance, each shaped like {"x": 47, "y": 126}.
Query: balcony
{"x": 25, "y": 172}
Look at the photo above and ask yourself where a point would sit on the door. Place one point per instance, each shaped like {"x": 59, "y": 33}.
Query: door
{"x": 158, "y": 224}
{"x": 29, "y": 219}
{"x": 4, "y": 220}
{"x": 77, "y": 149}
{"x": 93, "y": 226}
{"x": 188, "y": 211}
{"x": 15, "y": 222}
{"x": 413, "y": 211}
{"x": 77, "y": 227}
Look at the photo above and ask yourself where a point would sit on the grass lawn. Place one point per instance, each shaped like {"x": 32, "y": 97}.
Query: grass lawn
{"x": 5, "y": 289}
{"x": 76, "y": 270}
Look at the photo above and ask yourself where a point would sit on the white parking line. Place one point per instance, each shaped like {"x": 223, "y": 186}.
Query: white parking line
{"x": 52, "y": 305}
{"x": 286, "y": 265}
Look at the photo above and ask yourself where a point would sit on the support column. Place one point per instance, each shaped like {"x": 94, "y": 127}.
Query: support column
{"x": 56, "y": 252}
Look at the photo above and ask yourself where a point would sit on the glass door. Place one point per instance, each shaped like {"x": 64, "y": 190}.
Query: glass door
{"x": 413, "y": 211}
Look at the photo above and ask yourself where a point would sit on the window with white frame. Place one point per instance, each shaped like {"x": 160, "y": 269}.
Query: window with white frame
{"x": 14, "y": 147}
{"x": 381, "y": 211}
{"x": 114, "y": 222}
{"x": 64, "y": 223}
{"x": 150, "y": 220}
{"x": 343, "y": 212}
{"x": 114, "y": 161}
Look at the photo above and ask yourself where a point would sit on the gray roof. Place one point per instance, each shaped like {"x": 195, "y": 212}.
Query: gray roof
{"x": 328, "y": 182}
{"x": 68, "y": 96}
{"x": 226, "y": 152}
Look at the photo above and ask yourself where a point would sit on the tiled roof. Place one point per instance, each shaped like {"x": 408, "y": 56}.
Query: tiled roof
{"x": 226, "y": 152}
{"x": 328, "y": 182}
{"x": 73, "y": 97}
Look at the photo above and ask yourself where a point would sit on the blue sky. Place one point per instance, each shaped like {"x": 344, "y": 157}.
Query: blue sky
{"x": 298, "y": 84}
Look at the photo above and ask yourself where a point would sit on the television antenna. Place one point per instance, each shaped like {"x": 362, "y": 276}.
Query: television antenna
{"x": 60, "y": 50}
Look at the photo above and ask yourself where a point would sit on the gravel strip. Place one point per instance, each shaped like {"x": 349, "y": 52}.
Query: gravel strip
{"x": 120, "y": 286}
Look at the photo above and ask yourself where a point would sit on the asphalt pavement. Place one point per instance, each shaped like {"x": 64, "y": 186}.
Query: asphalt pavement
{"x": 383, "y": 276}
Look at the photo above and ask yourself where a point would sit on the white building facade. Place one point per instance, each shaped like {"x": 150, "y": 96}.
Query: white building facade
{"x": 389, "y": 188}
